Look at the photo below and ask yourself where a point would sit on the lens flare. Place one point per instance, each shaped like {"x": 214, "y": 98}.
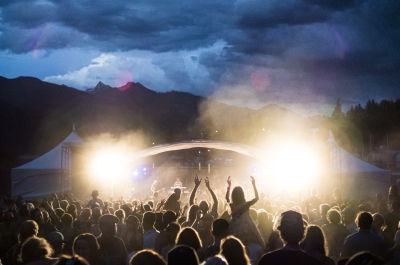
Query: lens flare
{"x": 38, "y": 38}
{"x": 343, "y": 46}
{"x": 260, "y": 80}
{"x": 122, "y": 80}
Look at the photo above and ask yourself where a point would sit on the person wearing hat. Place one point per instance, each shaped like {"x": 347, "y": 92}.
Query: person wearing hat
{"x": 57, "y": 242}
{"x": 132, "y": 236}
{"x": 96, "y": 199}
{"x": 112, "y": 247}
{"x": 291, "y": 229}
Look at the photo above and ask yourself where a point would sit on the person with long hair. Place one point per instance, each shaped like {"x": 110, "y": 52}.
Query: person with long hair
{"x": 37, "y": 249}
{"x": 242, "y": 225}
{"x": 314, "y": 245}
{"x": 27, "y": 230}
{"x": 86, "y": 246}
{"x": 234, "y": 251}
{"x": 191, "y": 218}
{"x": 147, "y": 256}
{"x": 189, "y": 237}
{"x": 335, "y": 234}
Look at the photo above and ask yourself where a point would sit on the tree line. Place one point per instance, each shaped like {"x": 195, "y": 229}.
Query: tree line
{"x": 367, "y": 128}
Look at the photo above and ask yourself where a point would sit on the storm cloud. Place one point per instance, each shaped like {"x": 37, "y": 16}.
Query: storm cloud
{"x": 299, "y": 54}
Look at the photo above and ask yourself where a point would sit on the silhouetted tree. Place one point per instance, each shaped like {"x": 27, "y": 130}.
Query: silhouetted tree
{"x": 337, "y": 113}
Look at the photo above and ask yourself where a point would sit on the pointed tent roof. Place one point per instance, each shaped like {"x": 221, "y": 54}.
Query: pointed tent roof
{"x": 351, "y": 163}
{"x": 52, "y": 159}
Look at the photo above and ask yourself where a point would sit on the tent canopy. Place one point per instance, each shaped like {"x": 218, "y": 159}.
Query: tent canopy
{"x": 41, "y": 176}
{"x": 52, "y": 159}
{"x": 357, "y": 178}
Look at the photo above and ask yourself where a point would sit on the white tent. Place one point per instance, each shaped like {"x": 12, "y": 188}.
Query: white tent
{"x": 355, "y": 177}
{"x": 42, "y": 176}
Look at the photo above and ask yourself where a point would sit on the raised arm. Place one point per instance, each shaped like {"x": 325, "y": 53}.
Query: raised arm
{"x": 193, "y": 194}
{"x": 253, "y": 182}
{"x": 228, "y": 189}
{"x": 214, "y": 209}
{"x": 56, "y": 201}
{"x": 51, "y": 211}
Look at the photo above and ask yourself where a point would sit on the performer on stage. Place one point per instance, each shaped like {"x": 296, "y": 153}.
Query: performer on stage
{"x": 178, "y": 183}
{"x": 154, "y": 188}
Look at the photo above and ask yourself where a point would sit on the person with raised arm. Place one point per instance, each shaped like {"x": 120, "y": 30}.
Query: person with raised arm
{"x": 197, "y": 183}
{"x": 241, "y": 225}
{"x": 203, "y": 205}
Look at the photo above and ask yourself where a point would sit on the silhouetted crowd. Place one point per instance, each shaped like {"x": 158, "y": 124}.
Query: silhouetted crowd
{"x": 201, "y": 228}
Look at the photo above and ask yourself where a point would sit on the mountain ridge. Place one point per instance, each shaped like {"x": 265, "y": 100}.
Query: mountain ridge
{"x": 166, "y": 116}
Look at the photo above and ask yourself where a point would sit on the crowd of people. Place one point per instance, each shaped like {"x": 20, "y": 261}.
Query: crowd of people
{"x": 207, "y": 229}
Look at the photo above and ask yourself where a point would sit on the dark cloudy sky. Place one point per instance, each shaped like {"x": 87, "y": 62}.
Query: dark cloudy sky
{"x": 298, "y": 54}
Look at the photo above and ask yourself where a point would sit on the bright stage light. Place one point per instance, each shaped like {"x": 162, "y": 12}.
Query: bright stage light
{"x": 108, "y": 164}
{"x": 295, "y": 166}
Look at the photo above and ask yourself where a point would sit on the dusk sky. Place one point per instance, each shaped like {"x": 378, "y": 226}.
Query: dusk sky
{"x": 302, "y": 55}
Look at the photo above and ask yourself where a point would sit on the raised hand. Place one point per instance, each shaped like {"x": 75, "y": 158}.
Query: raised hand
{"x": 253, "y": 181}
{"x": 207, "y": 182}
{"x": 229, "y": 181}
{"x": 162, "y": 202}
{"x": 197, "y": 181}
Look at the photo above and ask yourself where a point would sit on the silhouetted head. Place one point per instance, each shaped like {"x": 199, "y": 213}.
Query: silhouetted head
{"x": 149, "y": 218}
{"x": 28, "y": 229}
{"x": 364, "y": 257}
{"x": 333, "y": 216}
{"x": 108, "y": 225}
{"x": 193, "y": 212}
{"x": 291, "y": 227}
{"x": 364, "y": 220}
{"x": 204, "y": 206}
{"x": 189, "y": 237}
{"x": 216, "y": 260}
{"x": 237, "y": 195}
{"x": 220, "y": 228}
{"x": 177, "y": 192}
{"x": 86, "y": 246}
{"x": 172, "y": 231}
{"x": 147, "y": 256}
{"x": 182, "y": 255}
{"x": 314, "y": 240}
{"x": 120, "y": 214}
{"x": 168, "y": 217}
{"x": 66, "y": 220}
{"x": 35, "y": 249}
{"x": 233, "y": 250}
{"x": 95, "y": 194}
